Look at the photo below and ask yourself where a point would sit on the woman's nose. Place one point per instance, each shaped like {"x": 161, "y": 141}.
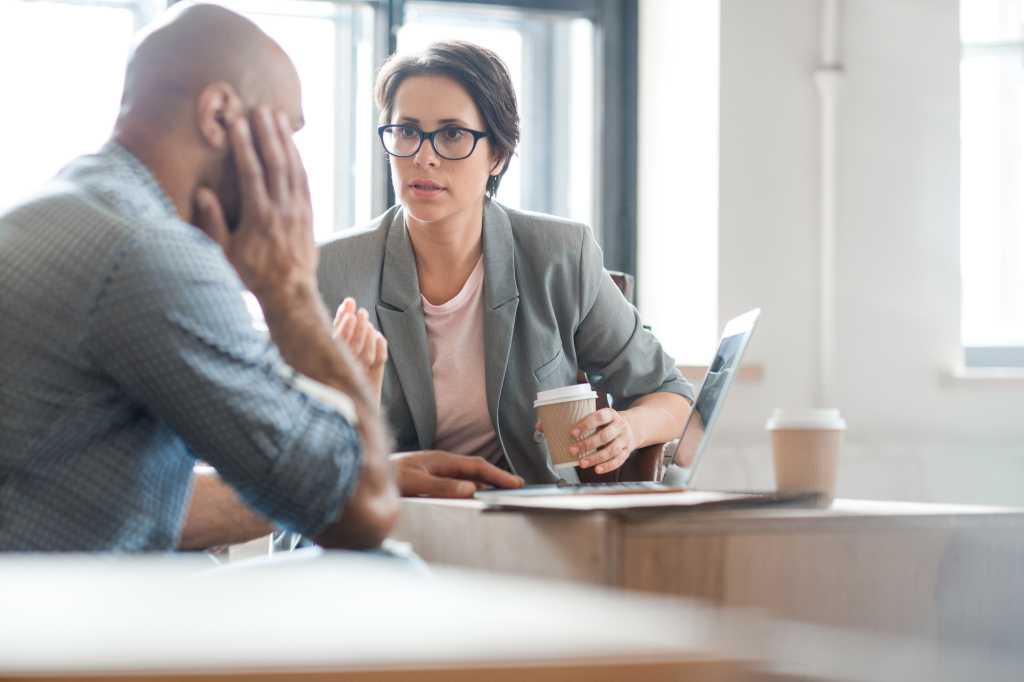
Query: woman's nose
{"x": 426, "y": 156}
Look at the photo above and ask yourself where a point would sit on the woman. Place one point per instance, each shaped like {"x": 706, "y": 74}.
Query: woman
{"x": 483, "y": 306}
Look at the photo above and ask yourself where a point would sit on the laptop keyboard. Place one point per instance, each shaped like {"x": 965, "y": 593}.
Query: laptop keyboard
{"x": 639, "y": 485}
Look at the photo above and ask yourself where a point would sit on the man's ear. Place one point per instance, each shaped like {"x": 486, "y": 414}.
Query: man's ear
{"x": 217, "y": 105}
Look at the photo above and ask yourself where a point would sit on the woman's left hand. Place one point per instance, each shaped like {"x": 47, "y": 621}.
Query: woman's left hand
{"x": 610, "y": 444}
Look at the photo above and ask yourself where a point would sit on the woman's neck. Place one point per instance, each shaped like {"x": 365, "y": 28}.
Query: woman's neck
{"x": 446, "y": 252}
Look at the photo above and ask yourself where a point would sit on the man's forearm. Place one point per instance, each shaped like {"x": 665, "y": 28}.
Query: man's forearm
{"x": 216, "y": 516}
{"x": 301, "y": 330}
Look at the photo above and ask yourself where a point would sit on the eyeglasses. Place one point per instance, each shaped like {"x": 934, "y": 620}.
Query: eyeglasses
{"x": 451, "y": 142}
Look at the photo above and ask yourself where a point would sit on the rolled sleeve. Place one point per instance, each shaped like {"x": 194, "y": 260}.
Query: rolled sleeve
{"x": 172, "y": 331}
{"x": 614, "y": 349}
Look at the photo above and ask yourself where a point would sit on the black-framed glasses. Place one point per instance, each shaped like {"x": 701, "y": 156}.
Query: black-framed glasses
{"x": 450, "y": 142}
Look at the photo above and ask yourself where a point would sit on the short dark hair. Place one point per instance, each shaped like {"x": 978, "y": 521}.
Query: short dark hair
{"x": 477, "y": 69}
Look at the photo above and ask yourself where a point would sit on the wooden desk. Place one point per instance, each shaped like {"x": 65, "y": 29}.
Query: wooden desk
{"x": 344, "y": 617}
{"x": 951, "y": 572}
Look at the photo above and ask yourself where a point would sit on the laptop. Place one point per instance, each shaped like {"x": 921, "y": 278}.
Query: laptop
{"x": 693, "y": 442}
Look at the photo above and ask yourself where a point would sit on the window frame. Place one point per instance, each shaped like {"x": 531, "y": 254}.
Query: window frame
{"x": 989, "y": 357}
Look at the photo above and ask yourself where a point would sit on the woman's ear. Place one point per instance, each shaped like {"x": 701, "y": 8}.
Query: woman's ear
{"x": 498, "y": 165}
{"x": 217, "y": 105}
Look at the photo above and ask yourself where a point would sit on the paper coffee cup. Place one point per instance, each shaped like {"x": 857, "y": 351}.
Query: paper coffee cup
{"x": 805, "y": 448}
{"x": 559, "y": 410}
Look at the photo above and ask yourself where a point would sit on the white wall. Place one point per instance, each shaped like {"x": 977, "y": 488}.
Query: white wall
{"x": 914, "y": 432}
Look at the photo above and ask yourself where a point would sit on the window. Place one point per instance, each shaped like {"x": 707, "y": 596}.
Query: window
{"x": 992, "y": 181}
{"x": 333, "y": 48}
{"x": 62, "y": 77}
{"x": 551, "y": 60}
{"x": 678, "y": 214}
{"x": 565, "y": 56}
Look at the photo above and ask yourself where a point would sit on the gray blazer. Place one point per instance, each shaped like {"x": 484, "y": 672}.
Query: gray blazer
{"x": 550, "y": 309}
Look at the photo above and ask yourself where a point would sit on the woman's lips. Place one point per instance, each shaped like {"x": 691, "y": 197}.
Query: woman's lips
{"x": 426, "y": 189}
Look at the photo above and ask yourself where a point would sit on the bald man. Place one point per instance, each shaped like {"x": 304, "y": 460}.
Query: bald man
{"x": 126, "y": 349}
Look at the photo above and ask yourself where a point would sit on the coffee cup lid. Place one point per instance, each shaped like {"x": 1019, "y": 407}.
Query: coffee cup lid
{"x": 806, "y": 419}
{"x": 565, "y": 394}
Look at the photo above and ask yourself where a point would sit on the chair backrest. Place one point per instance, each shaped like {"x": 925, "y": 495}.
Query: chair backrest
{"x": 627, "y": 285}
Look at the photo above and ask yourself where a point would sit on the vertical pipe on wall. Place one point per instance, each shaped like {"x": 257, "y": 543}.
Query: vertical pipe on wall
{"x": 827, "y": 77}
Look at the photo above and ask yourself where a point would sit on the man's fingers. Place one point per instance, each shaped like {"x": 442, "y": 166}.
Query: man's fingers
{"x": 209, "y": 217}
{"x": 347, "y": 307}
{"x": 380, "y": 351}
{"x": 345, "y": 329}
{"x": 272, "y": 154}
{"x": 362, "y": 332}
{"x": 247, "y": 164}
{"x": 344, "y": 319}
{"x": 296, "y": 170}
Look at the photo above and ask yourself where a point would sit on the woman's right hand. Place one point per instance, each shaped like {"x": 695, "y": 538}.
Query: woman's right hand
{"x": 352, "y": 326}
{"x": 436, "y": 473}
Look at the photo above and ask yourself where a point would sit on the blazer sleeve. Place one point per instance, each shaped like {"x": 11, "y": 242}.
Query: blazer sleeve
{"x": 618, "y": 355}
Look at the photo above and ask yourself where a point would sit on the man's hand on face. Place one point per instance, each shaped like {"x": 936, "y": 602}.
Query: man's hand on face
{"x": 435, "y": 473}
{"x": 272, "y": 247}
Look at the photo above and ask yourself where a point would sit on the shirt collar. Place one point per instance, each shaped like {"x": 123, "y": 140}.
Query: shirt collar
{"x": 133, "y": 171}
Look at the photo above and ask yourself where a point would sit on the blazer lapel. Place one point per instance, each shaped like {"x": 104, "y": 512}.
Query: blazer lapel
{"x": 400, "y": 313}
{"x": 501, "y": 301}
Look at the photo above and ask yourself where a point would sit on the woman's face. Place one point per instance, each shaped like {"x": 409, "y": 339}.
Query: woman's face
{"x": 430, "y": 187}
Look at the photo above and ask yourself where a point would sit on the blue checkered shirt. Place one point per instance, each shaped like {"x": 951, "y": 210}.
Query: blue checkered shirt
{"x": 126, "y": 351}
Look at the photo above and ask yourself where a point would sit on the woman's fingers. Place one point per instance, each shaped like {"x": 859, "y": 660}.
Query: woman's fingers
{"x": 598, "y": 439}
{"x": 614, "y": 463}
{"x": 617, "y": 450}
{"x": 594, "y": 421}
{"x": 609, "y": 446}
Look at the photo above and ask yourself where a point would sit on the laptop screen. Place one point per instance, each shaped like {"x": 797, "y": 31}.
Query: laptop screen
{"x": 708, "y": 405}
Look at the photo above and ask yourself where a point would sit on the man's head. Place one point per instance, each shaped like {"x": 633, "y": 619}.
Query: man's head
{"x": 199, "y": 67}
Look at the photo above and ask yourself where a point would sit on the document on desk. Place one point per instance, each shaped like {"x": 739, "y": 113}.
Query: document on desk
{"x": 690, "y": 499}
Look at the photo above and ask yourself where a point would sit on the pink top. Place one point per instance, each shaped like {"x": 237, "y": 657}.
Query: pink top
{"x": 455, "y": 341}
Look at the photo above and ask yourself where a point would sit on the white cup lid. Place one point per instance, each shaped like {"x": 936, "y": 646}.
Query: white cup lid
{"x": 565, "y": 394}
{"x": 806, "y": 419}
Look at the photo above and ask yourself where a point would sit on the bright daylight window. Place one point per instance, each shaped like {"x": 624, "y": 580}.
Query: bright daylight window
{"x": 992, "y": 181}
{"x": 332, "y": 47}
{"x": 70, "y": 57}
{"x": 63, "y": 68}
{"x": 551, "y": 60}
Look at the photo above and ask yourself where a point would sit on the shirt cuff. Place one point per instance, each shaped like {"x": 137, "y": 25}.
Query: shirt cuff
{"x": 323, "y": 393}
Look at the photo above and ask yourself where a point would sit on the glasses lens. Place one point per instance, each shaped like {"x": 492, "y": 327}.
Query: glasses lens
{"x": 401, "y": 140}
{"x": 453, "y": 143}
